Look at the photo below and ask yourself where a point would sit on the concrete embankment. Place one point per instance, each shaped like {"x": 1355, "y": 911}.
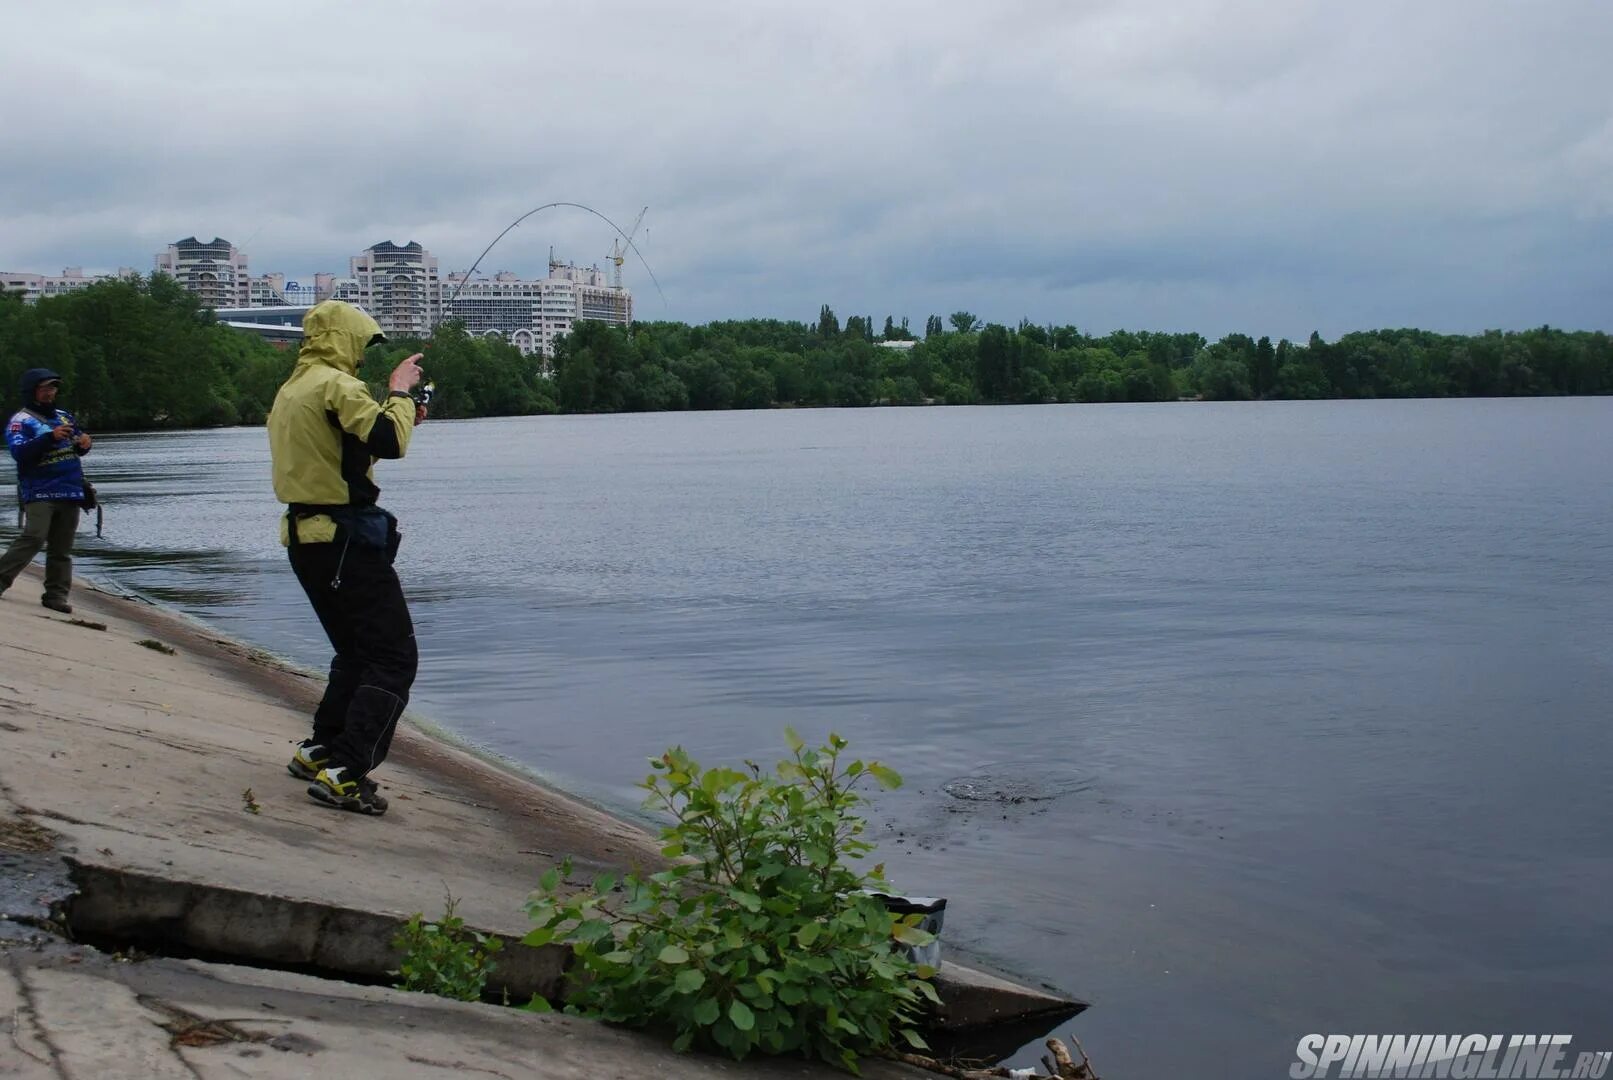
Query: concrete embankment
{"x": 145, "y": 807}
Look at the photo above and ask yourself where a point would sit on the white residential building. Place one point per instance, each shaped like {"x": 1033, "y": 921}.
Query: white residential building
{"x": 397, "y": 285}
{"x": 267, "y": 291}
{"x": 35, "y": 287}
{"x": 211, "y": 269}
{"x": 531, "y": 314}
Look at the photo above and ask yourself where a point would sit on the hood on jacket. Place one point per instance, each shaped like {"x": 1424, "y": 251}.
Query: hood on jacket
{"x": 335, "y": 334}
{"x": 30, "y": 382}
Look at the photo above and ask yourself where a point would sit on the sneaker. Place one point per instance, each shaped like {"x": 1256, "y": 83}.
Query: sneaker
{"x": 308, "y": 760}
{"x": 358, "y": 795}
{"x": 58, "y": 605}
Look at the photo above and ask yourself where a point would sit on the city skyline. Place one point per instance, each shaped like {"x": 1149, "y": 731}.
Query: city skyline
{"x": 400, "y": 285}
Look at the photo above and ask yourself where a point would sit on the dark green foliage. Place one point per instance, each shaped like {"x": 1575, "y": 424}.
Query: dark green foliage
{"x": 443, "y": 957}
{"x": 140, "y": 354}
{"x": 759, "y": 938}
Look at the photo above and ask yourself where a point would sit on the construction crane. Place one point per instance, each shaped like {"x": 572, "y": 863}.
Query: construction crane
{"x": 619, "y": 250}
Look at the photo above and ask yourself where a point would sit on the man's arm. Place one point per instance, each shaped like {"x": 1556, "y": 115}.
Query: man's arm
{"x": 384, "y": 427}
{"x": 27, "y": 449}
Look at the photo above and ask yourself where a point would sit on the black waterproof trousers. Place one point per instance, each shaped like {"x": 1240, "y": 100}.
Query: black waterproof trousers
{"x": 360, "y": 604}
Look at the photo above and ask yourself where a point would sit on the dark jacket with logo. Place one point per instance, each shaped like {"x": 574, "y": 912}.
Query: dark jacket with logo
{"x": 47, "y": 467}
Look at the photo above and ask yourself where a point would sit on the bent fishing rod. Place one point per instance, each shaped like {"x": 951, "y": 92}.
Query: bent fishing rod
{"x": 628, "y": 240}
{"x": 424, "y": 392}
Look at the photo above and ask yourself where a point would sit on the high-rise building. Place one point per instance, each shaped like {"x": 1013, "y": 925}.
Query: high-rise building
{"x": 396, "y": 284}
{"x": 213, "y": 270}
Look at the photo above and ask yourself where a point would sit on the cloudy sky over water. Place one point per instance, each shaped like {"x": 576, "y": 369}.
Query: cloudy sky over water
{"x": 1270, "y": 167}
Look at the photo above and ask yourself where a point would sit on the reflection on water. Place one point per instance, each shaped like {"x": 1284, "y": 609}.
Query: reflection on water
{"x": 1242, "y": 722}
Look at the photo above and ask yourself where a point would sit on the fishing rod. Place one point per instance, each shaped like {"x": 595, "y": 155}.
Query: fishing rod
{"x": 424, "y": 392}
{"x": 549, "y": 206}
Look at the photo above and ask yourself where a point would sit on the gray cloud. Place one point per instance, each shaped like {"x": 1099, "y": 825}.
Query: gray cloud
{"x": 1266, "y": 167}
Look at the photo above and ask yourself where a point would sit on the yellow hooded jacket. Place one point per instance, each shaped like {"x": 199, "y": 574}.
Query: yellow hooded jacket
{"x": 325, "y": 430}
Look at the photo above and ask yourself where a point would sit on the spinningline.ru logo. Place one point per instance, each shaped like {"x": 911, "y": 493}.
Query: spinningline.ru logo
{"x": 1458, "y": 1057}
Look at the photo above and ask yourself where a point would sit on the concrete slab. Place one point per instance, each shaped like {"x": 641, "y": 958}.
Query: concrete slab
{"x": 162, "y": 776}
{"x": 74, "y": 1013}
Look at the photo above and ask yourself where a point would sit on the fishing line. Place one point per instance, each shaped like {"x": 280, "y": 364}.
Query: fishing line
{"x": 549, "y": 206}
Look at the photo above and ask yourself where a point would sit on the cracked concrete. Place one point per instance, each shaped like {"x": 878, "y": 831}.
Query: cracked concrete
{"x": 144, "y": 770}
{"x": 70, "y": 1013}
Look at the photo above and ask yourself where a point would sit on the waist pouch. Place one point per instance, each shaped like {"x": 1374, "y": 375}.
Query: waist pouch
{"x": 367, "y": 527}
{"x": 358, "y": 526}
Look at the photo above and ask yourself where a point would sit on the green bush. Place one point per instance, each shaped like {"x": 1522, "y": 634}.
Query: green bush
{"x": 444, "y": 958}
{"x": 759, "y": 938}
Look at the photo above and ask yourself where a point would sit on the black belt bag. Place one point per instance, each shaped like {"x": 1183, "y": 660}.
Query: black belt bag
{"x": 356, "y": 526}
{"x": 367, "y": 526}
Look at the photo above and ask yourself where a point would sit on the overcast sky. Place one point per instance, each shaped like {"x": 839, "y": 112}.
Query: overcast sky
{"x": 1272, "y": 167}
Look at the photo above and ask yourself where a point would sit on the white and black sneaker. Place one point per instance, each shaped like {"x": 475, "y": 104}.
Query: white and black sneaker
{"x": 308, "y": 759}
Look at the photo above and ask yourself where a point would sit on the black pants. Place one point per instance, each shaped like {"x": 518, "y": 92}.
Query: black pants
{"x": 367, "y": 621}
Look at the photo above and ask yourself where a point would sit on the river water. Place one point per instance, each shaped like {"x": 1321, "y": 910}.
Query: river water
{"x": 1241, "y": 721}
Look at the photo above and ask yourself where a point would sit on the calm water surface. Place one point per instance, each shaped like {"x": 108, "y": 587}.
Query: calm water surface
{"x": 1241, "y": 721}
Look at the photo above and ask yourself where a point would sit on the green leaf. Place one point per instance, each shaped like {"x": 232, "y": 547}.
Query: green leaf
{"x": 928, "y": 990}
{"x": 706, "y": 1011}
{"x": 618, "y": 956}
{"x": 689, "y": 980}
{"x": 594, "y": 930}
{"x": 539, "y": 937}
{"x": 538, "y": 1005}
{"x": 681, "y": 1044}
{"x": 740, "y": 1015}
{"x": 808, "y": 934}
{"x": 550, "y": 879}
{"x": 672, "y": 954}
{"x": 887, "y": 776}
{"x": 748, "y": 901}
{"x": 792, "y": 740}
{"x": 914, "y": 1039}
{"x": 911, "y": 935}
{"x": 791, "y": 995}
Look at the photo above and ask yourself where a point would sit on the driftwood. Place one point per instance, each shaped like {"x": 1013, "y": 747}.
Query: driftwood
{"x": 1060, "y": 1066}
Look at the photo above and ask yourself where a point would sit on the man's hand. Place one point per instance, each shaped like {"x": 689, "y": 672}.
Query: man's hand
{"x": 406, "y": 376}
{"x": 419, "y": 415}
{"x": 62, "y": 431}
{"x": 83, "y": 441}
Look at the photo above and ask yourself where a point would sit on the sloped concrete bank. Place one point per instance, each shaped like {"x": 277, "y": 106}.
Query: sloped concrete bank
{"x": 160, "y": 780}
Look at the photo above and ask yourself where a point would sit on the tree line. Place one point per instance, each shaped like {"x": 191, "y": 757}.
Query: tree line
{"x": 142, "y": 354}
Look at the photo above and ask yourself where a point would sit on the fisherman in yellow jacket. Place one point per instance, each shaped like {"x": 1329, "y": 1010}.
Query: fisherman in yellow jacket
{"x": 325, "y": 434}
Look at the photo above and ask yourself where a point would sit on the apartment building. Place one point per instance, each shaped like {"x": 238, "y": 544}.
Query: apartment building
{"x": 397, "y": 284}
{"x": 531, "y": 314}
{"x": 213, "y": 269}
{"x": 35, "y": 287}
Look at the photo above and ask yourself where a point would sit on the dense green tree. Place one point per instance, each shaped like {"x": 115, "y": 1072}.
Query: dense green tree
{"x": 142, "y": 354}
{"x": 828, "y": 324}
{"x": 964, "y": 322}
{"x": 1263, "y": 368}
